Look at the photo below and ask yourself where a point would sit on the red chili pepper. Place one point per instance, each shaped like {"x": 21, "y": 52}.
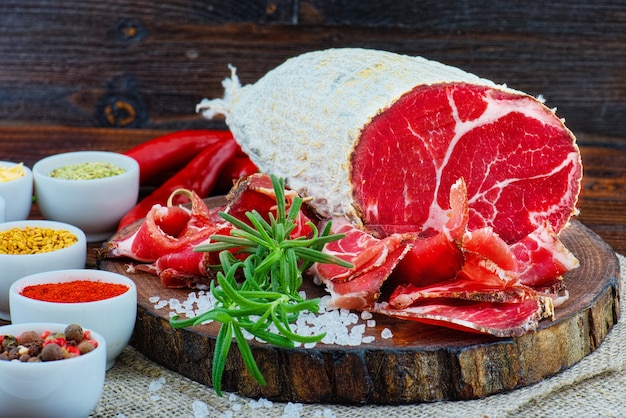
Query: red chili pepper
{"x": 240, "y": 166}
{"x": 199, "y": 175}
{"x": 171, "y": 151}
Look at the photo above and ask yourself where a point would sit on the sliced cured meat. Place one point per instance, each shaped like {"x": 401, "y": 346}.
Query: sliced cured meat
{"x": 166, "y": 229}
{"x": 185, "y": 268}
{"x": 489, "y": 245}
{"x": 363, "y": 250}
{"x": 481, "y": 269}
{"x": 499, "y": 319}
{"x": 405, "y": 295}
{"x": 488, "y": 259}
{"x": 543, "y": 258}
{"x": 363, "y": 290}
{"x": 373, "y": 260}
{"x": 438, "y": 257}
{"x": 430, "y": 260}
{"x": 380, "y": 138}
{"x": 256, "y": 192}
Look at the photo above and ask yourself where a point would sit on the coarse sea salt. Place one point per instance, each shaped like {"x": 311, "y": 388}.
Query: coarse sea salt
{"x": 156, "y": 384}
{"x": 260, "y": 403}
{"x": 325, "y": 413}
{"x": 386, "y": 333}
{"x": 292, "y": 410}
{"x": 341, "y": 326}
{"x": 200, "y": 409}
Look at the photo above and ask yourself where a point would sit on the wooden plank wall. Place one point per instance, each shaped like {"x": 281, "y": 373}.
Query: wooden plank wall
{"x": 145, "y": 64}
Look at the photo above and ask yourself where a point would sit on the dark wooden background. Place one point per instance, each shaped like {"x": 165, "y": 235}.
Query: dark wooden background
{"x": 145, "y": 64}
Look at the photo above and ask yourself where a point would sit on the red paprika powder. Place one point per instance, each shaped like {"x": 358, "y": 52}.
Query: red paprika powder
{"x": 76, "y": 291}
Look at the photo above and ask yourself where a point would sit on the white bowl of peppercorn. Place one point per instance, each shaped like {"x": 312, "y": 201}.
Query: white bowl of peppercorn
{"x": 33, "y": 246}
{"x": 50, "y": 370}
{"x": 103, "y": 301}
{"x": 89, "y": 189}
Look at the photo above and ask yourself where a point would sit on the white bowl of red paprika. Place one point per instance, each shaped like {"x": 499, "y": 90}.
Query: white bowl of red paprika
{"x": 89, "y": 189}
{"x": 67, "y": 387}
{"x": 33, "y": 246}
{"x": 103, "y": 301}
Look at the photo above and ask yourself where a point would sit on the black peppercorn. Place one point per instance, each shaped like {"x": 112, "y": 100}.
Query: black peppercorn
{"x": 52, "y": 352}
{"x": 74, "y": 333}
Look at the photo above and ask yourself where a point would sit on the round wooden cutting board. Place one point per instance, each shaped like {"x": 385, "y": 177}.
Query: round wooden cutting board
{"x": 420, "y": 363}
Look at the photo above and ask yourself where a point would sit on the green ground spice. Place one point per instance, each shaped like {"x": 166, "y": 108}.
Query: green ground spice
{"x": 87, "y": 171}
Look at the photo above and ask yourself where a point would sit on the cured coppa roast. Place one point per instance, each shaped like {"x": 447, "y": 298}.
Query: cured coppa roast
{"x": 461, "y": 184}
{"x": 382, "y": 138}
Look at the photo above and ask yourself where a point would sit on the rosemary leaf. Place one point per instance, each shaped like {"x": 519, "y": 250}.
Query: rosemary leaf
{"x": 271, "y": 338}
{"x": 247, "y": 356}
{"x": 222, "y": 346}
{"x": 258, "y": 280}
{"x": 320, "y": 257}
{"x": 223, "y": 242}
{"x": 236, "y": 297}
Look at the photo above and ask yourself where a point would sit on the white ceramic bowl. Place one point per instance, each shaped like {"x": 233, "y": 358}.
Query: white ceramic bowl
{"x": 16, "y": 266}
{"x": 63, "y": 388}
{"x": 95, "y": 206}
{"x": 17, "y": 194}
{"x": 113, "y": 318}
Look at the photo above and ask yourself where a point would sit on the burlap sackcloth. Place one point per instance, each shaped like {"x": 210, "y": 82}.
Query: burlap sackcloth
{"x": 596, "y": 386}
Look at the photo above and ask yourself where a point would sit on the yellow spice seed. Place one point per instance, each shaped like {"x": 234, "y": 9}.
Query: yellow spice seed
{"x": 11, "y": 173}
{"x": 34, "y": 240}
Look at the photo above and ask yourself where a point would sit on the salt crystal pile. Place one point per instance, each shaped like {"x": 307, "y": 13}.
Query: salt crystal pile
{"x": 342, "y": 327}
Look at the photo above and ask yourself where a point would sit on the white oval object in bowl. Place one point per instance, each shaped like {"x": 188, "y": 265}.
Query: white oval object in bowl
{"x": 17, "y": 194}
{"x": 63, "y": 388}
{"x": 113, "y": 318}
{"x": 96, "y": 205}
{"x": 16, "y": 266}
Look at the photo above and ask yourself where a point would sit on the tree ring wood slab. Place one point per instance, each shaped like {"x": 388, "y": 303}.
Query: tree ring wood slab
{"x": 421, "y": 363}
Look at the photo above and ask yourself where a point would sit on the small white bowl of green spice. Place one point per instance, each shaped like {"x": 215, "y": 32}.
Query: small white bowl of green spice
{"x": 59, "y": 372}
{"x": 89, "y": 189}
{"x": 34, "y": 246}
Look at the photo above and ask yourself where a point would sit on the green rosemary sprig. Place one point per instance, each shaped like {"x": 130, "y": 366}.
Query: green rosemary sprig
{"x": 266, "y": 297}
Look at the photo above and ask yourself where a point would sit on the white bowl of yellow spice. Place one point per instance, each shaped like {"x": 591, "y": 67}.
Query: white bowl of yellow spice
{"x": 34, "y": 246}
{"x": 16, "y": 191}
{"x": 89, "y": 189}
